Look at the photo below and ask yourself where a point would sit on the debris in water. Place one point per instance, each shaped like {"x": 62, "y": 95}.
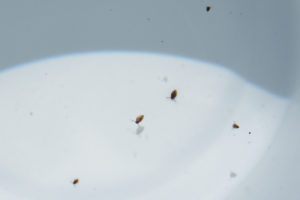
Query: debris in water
{"x": 76, "y": 180}
{"x": 173, "y": 94}
{"x": 233, "y": 175}
{"x": 235, "y": 125}
{"x": 165, "y": 79}
{"x": 139, "y": 119}
{"x": 139, "y": 130}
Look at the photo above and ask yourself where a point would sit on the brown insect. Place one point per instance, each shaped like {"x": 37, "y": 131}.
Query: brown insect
{"x": 139, "y": 119}
{"x": 76, "y": 180}
{"x": 235, "y": 125}
{"x": 173, "y": 94}
{"x": 208, "y": 8}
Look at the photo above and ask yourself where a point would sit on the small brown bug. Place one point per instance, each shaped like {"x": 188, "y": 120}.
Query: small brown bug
{"x": 208, "y": 8}
{"x": 139, "y": 119}
{"x": 173, "y": 94}
{"x": 235, "y": 125}
{"x": 76, "y": 180}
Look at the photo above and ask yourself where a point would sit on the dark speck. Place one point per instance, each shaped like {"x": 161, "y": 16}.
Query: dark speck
{"x": 208, "y": 8}
{"x": 139, "y": 130}
{"x": 75, "y": 181}
{"x": 139, "y": 119}
{"x": 173, "y": 94}
{"x": 233, "y": 175}
{"x": 165, "y": 79}
{"x": 235, "y": 125}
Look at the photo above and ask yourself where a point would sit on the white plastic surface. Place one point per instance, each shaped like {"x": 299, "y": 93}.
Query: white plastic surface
{"x": 71, "y": 117}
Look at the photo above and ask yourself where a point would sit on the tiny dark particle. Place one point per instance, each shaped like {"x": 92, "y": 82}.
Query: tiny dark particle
{"x": 208, "y": 8}
{"x": 165, "y": 79}
{"x": 235, "y": 125}
{"x": 139, "y": 130}
{"x": 174, "y": 94}
{"x": 139, "y": 119}
{"x": 250, "y": 132}
{"x": 75, "y": 181}
{"x": 233, "y": 175}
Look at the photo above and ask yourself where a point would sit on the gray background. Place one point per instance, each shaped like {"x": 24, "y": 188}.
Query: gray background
{"x": 255, "y": 38}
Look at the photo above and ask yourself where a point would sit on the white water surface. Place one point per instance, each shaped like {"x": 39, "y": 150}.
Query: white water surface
{"x": 72, "y": 117}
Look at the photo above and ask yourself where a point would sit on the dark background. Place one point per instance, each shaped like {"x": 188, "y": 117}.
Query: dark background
{"x": 253, "y": 38}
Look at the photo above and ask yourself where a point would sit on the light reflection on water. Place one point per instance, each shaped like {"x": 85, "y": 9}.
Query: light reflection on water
{"x": 83, "y": 107}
